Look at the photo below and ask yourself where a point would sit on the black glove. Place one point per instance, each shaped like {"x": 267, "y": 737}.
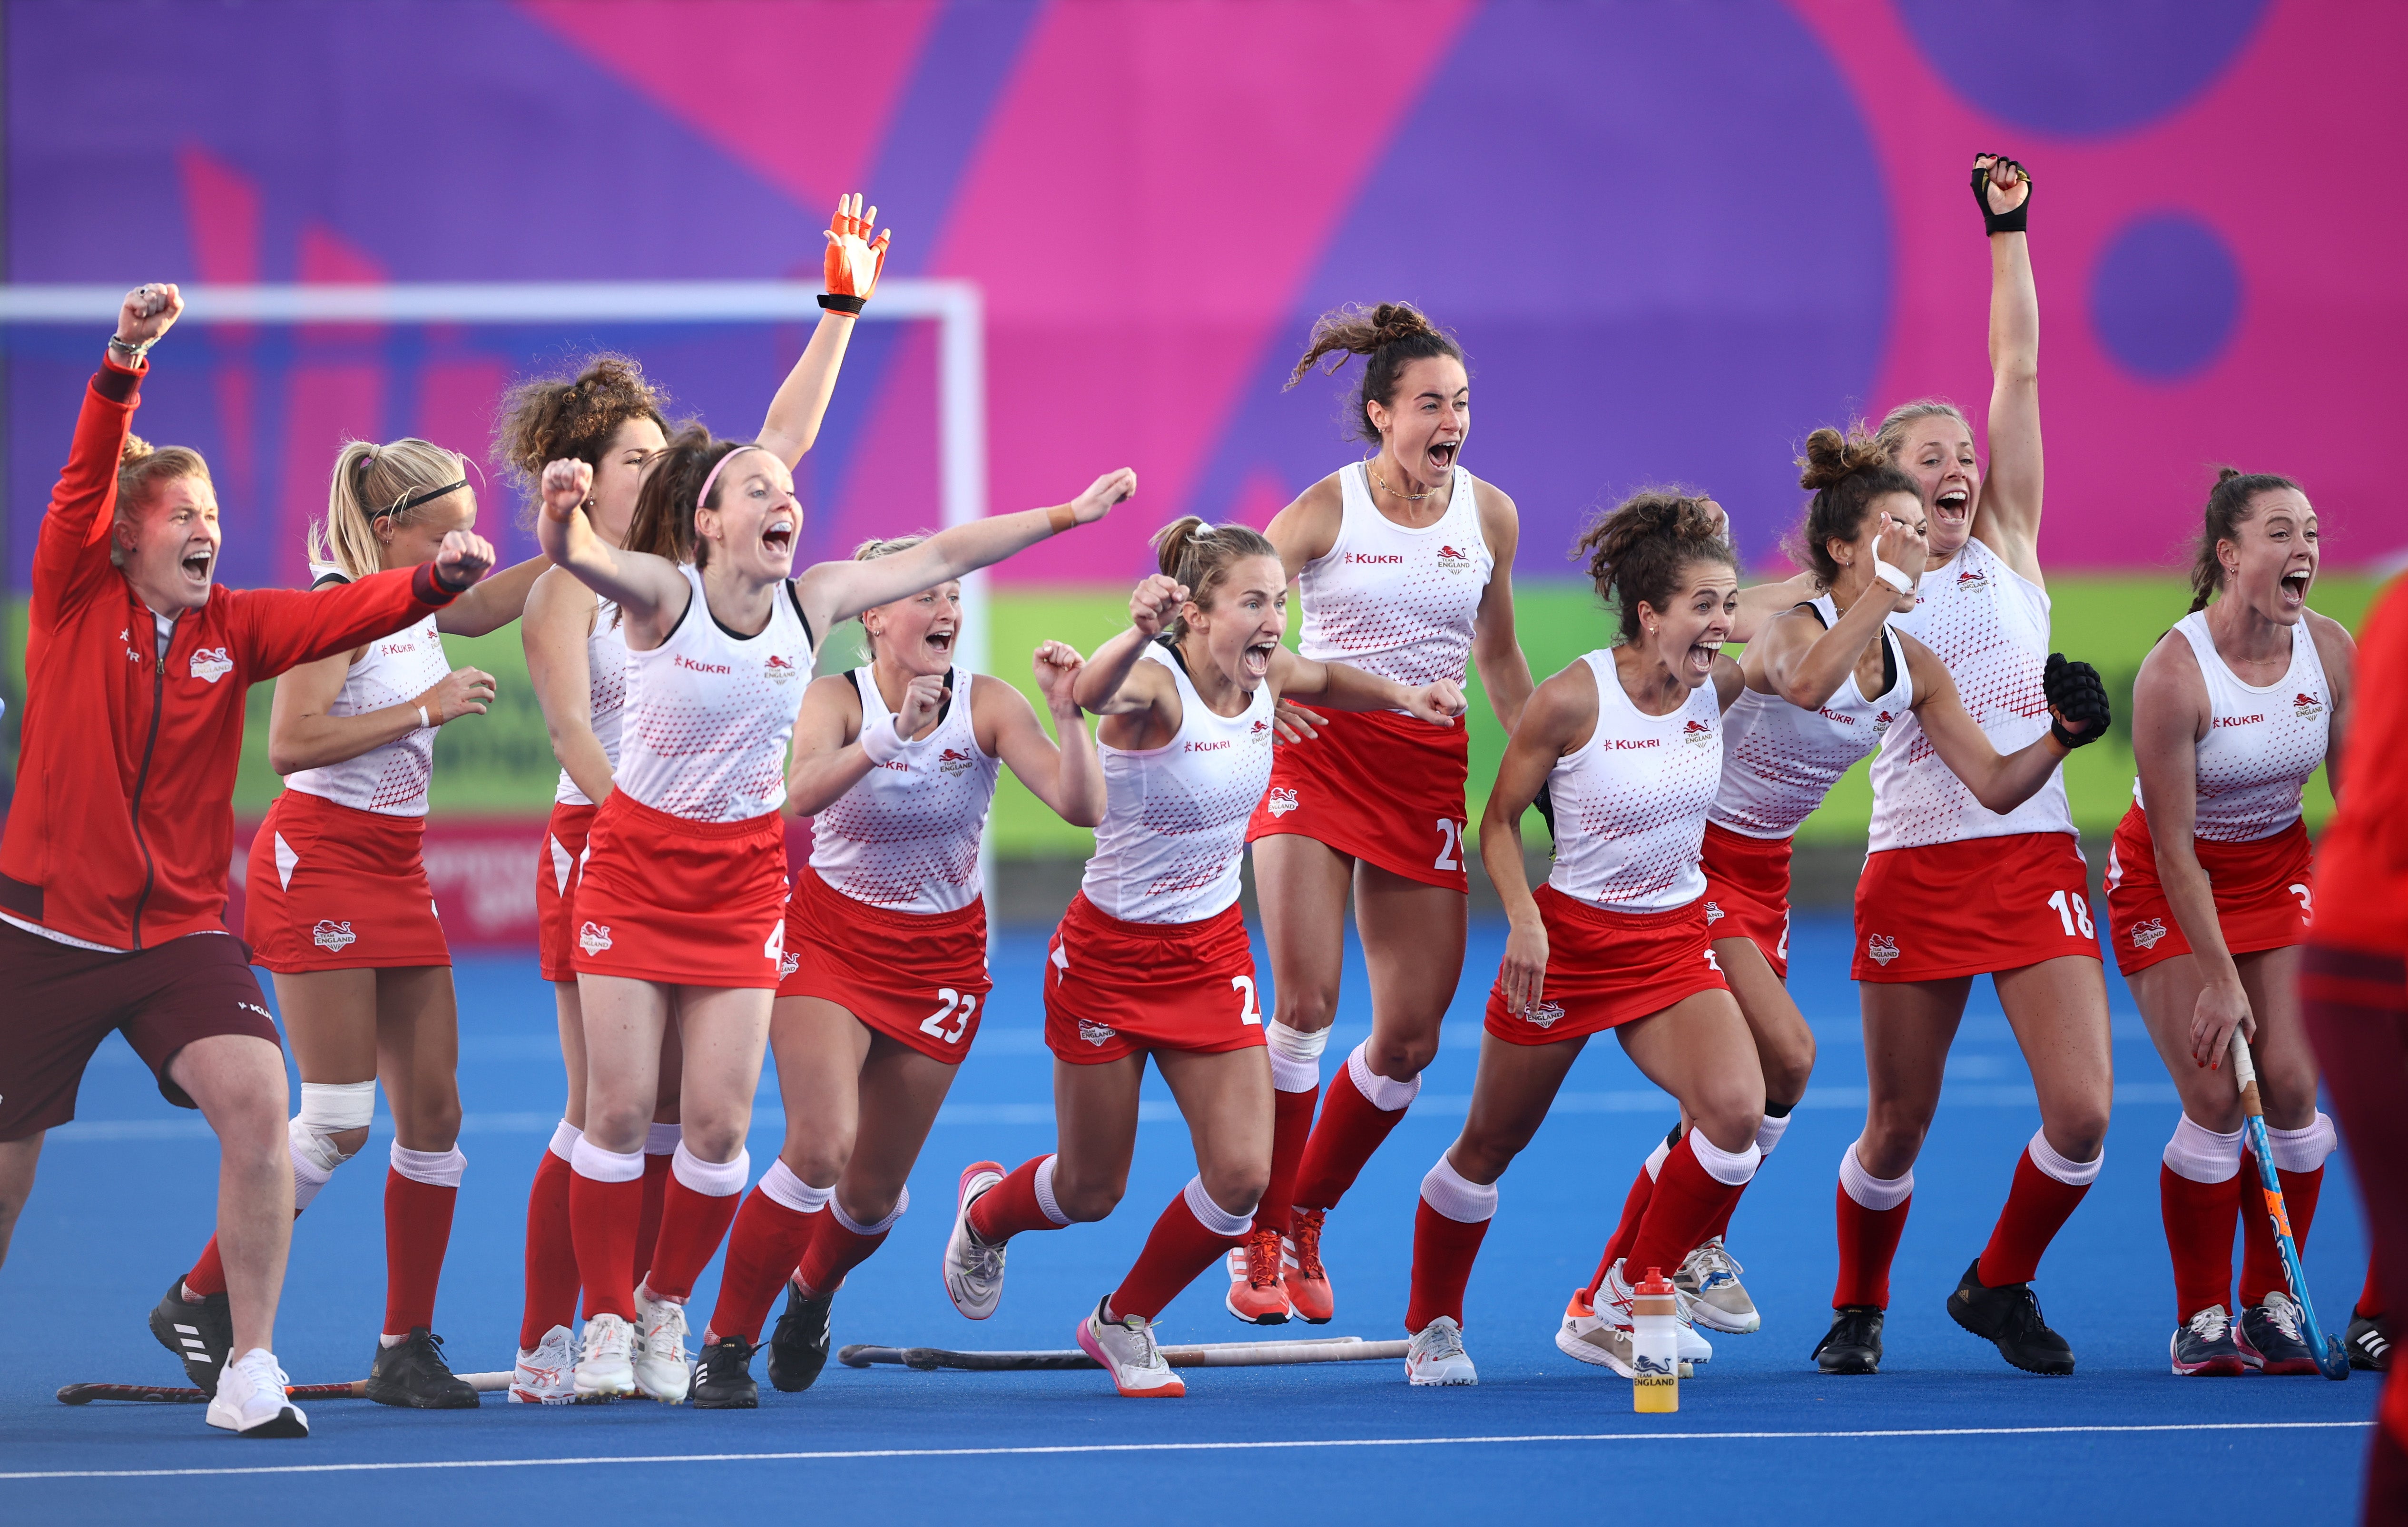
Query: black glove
{"x": 2074, "y": 694}
{"x": 2000, "y": 223}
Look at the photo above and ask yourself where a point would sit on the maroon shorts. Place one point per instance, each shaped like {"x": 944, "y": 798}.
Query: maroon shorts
{"x": 1382, "y": 787}
{"x": 918, "y": 978}
{"x": 1747, "y": 892}
{"x": 330, "y": 887}
{"x": 682, "y": 903}
{"x": 1972, "y": 907}
{"x": 1605, "y": 969}
{"x": 555, "y": 889}
{"x": 1116, "y": 989}
{"x": 62, "y": 1002}
{"x": 2264, "y": 894}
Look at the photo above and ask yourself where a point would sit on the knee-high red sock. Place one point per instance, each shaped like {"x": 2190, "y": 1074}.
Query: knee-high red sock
{"x": 2369, "y": 1298}
{"x": 602, "y": 1215}
{"x": 772, "y": 1227}
{"x": 1360, "y": 1110}
{"x": 648, "y": 1225}
{"x": 1634, "y": 1209}
{"x": 1685, "y": 1200}
{"x": 840, "y": 1244}
{"x": 1291, "y": 1127}
{"x": 551, "y": 1255}
{"x": 2038, "y": 1206}
{"x": 421, "y": 1189}
{"x": 1023, "y": 1200}
{"x": 2261, "y": 1265}
{"x": 1192, "y": 1234}
{"x": 1768, "y": 1134}
{"x": 1868, "y": 1235}
{"x": 2199, "y": 1236}
{"x": 208, "y": 1275}
{"x": 700, "y": 1203}
{"x": 1449, "y": 1225}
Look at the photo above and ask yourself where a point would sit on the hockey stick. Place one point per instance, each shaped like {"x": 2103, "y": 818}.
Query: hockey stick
{"x": 1219, "y": 1354}
{"x": 77, "y": 1395}
{"x": 2331, "y": 1360}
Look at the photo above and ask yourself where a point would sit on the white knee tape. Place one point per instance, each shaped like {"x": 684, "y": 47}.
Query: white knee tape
{"x": 1456, "y": 1196}
{"x": 1872, "y": 1192}
{"x": 878, "y": 1228}
{"x": 1384, "y": 1094}
{"x": 436, "y": 1168}
{"x": 1296, "y": 1044}
{"x": 1212, "y": 1216}
{"x": 2302, "y": 1149}
{"x": 712, "y": 1179}
{"x": 781, "y": 1187}
{"x": 2200, "y": 1154}
{"x": 327, "y": 1109}
{"x": 1731, "y": 1168}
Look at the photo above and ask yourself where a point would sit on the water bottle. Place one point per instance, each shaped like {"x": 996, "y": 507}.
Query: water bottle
{"x": 1655, "y": 1347}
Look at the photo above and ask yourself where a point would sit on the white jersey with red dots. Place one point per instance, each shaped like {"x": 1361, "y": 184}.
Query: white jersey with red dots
{"x": 1175, "y": 816}
{"x": 708, "y": 713}
{"x": 1989, "y": 626}
{"x": 2262, "y": 742}
{"x": 906, "y": 835}
{"x": 390, "y": 778}
{"x": 605, "y": 692}
{"x": 1631, "y": 802}
{"x": 1393, "y": 600}
{"x": 1780, "y": 760}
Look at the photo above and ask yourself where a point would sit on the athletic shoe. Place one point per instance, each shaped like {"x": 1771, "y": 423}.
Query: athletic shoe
{"x": 1257, "y": 1294}
{"x": 1613, "y": 1304}
{"x": 973, "y": 1269}
{"x": 1854, "y": 1343}
{"x": 250, "y": 1401}
{"x": 2203, "y": 1346}
{"x": 2269, "y": 1337}
{"x": 2368, "y": 1343}
{"x": 661, "y": 1367}
{"x": 413, "y": 1374}
{"x": 1436, "y": 1355}
{"x": 723, "y": 1377}
{"x": 542, "y": 1376}
{"x": 1308, "y": 1282}
{"x": 1585, "y": 1337}
{"x": 2009, "y": 1317}
{"x": 798, "y": 1346}
{"x": 200, "y": 1334}
{"x": 1709, "y": 1280}
{"x": 606, "y": 1366}
{"x": 1126, "y": 1350}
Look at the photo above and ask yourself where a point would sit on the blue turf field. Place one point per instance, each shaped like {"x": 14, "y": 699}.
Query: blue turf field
{"x": 124, "y": 1201}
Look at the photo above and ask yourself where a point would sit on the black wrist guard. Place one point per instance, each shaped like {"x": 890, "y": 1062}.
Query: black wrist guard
{"x": 2000, "y": 223}
{"x": 2076, "y": 693}
{"x": 835, "y": 303}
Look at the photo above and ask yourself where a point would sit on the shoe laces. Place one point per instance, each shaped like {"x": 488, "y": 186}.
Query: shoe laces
{"x": 2024, "y": 1318}
{"x": 1439, "y": 1341}
{"x": 2284, "y": 1315}
{"x": 259, "y": 1367}
{"x": 1849, "y": 1328}
{"x": 1263, "y": 1259}
{"x": 1140, "y": 1330}
{"x": 1304, "y": 1229}
{"x": 2209, "y": 1324}
{"x": 1713, "y": 1265}
{"x": 614, "y": 1339}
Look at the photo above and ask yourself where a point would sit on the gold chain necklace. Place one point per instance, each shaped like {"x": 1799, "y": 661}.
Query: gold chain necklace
{"x": 1410, "y": 498}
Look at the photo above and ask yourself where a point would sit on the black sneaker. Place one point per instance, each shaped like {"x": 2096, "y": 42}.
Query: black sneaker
{"x": 798, "y": 1347}
{"x": 414, "y": 1375}
{"x": 2202, "y": 1347}
{"x": 2272, "y": 1340}
{"x": 2368, "y": 1343}
{"x": 722, "y": 1378}
{"x": 2010, "y": 1317}
{"x": 201, "y": 1335}
{"x": 1852, "y": 1345}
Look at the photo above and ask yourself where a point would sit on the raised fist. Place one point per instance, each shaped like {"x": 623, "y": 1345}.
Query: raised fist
{"x": 853, "y": 262}
{"x": 567, "y": 484}
{"x": 1154, "y": 603}
{"x": 1057, "y": 665}
{"x": 2003, "y": 189}
{"x": 463, "y": 558}
{"x": 149, "y": 312}
{"x": 1101, "y": 494}
{"x": 922, "y": 698}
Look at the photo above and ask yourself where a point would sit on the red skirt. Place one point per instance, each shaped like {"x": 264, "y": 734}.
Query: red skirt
{"x": 918, "y": 978}
{"x": 1382, "y": 787}
{"x": 555, "y": 889}
{"x": 684, "y": 903}
{"x": 1747, "y": 892}
{"x": 1973, "y": 908}
{"x": 1116, "y": 989}
{"x": 2264, "y": 894}
{"x": 1605, "y": 969}
{"x": 331, "y": 887}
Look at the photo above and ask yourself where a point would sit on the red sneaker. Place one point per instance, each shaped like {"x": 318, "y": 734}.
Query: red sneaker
{"x": 1255, "y": 1295}
{"x": 1308, "y": 1281}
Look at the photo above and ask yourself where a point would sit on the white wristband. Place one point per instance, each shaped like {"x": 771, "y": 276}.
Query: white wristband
{"x": 422, "y": 722}
{"x": 1892, "y": 576}
{"x": 881, "y": 742}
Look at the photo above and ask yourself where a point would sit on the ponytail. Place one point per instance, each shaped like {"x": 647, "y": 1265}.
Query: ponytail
{"x": 2231, "y": 504}
{"x": 1200, "y": 556}
{"x": 1390, "y": 336}
{"x": 373, "y": 484}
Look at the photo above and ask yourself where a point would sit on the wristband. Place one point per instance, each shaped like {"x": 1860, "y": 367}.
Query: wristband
{"x": 134, "y": 353}
{"x": 1892, "y": 575}
{"x": 1061, "y": 517}
{"x": 2011, "y": 221}
{"x": 881, "y": 742}
{"x": 836, "y": 301}
{"x": 422, "y": 722}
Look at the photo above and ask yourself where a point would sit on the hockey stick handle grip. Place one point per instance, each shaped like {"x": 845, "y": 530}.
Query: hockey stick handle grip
{"x": 2244, "y": 1073}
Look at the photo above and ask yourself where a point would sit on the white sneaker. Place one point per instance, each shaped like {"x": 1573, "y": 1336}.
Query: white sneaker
{"x": 973, "y": 1269}
{"x": 1126, "y": 1350}
{"x": 662, "y": 1368}
{"x": 1436, "y": 1355}
{"x": 1709, "y": 1277}
{"x": 606, "y": 1365}
{"x": 1613, "y": 1339}
{"x": 250, "y": 1401}
{"x": 1586, "y": 1336}
{"x": 544, "y": 1375}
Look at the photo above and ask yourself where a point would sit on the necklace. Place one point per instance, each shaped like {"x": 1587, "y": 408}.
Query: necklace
{"x": 1410, "y": 498}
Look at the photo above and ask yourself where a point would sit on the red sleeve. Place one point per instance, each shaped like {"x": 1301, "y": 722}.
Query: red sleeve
{"x": 283, "y": 628}
{"x": 71, "y": 553}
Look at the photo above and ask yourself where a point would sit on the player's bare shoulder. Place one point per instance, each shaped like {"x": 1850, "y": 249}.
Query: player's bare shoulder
{"x": 1306, "y": 530}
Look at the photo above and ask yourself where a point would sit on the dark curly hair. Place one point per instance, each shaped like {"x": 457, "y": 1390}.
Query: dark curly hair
{"x": 1639, "y": 551}
{"x": 1847, "y": 474}
{"x": 551, "y": 419}
{"x": 1390, "y": 337}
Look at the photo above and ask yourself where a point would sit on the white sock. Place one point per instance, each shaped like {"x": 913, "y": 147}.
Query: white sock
{"x": 1044, "y": 1188}
{"x": 1872, "y": 1192}
{"x": 835, "y": 1206}
{"x": 1456, "y": 1196}
{"x": 2202, "y": 1154}
{"x": 2072, "y": 1174}
{"x": 1731, "y": 1168}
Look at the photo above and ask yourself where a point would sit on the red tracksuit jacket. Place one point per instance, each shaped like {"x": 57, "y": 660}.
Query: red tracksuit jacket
{"x": 121, "y": 831}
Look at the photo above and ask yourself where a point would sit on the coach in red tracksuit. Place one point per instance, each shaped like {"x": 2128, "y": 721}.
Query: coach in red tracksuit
{"x": 113, "y": 868}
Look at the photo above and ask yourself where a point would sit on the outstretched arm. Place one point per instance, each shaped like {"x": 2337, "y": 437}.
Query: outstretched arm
{"x": 1069, "y": 777}
{"x": 649, "y": 591}
{"x": 495, "y": 602}
{"x": 2007, "y": 517}
{"x": 1999, "y": 783}
{"x": 852, "y": 262}
{"x": 71, "y": 549}
{"x": 1341, "y": 686}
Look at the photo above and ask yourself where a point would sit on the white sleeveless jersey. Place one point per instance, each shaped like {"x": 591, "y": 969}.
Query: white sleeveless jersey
{"x": 906, "y": 835}
{"x": 708, "y": 713}
{"x": 1780, "y": 760}
{"x": 1631, "y": 802}
{"x": 391, "y": 779}
{"x": 1396, "y": 601}
{"x": 2262, "y": 742}
{"x": 605, "y": 692}
{"x": 1175, "y": 816}
{"x": 1988, "y": 627}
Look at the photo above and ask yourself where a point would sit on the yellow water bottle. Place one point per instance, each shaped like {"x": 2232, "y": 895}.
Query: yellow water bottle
{"x": 1655, "y": 1347}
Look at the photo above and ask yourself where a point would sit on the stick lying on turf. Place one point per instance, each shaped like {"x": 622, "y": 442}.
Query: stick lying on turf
{"x": 2330, "y": 1360}
{"x": 1218, "y": 1354}
{"x": 77, "y": 1395}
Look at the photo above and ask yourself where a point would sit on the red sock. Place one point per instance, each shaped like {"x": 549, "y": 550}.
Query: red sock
{"x": 692, "y": 1226}
{"x": 1617, "y": 1246}
{"x": 1291, "y": 1127}
{"x": 1720, "y": 1224}
{"x": 2037, "y": 1208}
{"x": 1178, "y": 1248}
{"x": 835, "y": 1249}
{"x": 1350, "y": 1130}
{"x": 417, "y": 1231}
{"x": 2199, "y": 1233}
{"x": 1443, "y": 1251}
{"x": 2369, "y": 1298}
{"x": 2261, "y": 1265}
{"x": 761, "y": 1252}
{"x": 208, "y": 1275}
{"x": 648, "y": 1227}
{"x": 551, "y": 1255}
{"x": 1010, "y": 1206}
{"x": 1685, "y": 1200}
{"x": 602, "y": 1226}
{"x": 1868, "y": 1245}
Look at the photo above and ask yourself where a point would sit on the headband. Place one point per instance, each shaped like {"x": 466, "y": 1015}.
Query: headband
{"x": 702, "y": 499}
{"x": 410, "y": 501}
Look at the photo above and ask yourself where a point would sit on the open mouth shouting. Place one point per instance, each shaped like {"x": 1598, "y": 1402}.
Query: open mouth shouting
{"x": 778, "y": 535}
{"x": 940, "y": 643}
{"x": 1258, "y": 657}
{"x": 1702, "y": 653}
{"x": 1439, "y": 457}
{"x": 1953, "y": 502}
{"x": 2295, "y": 589}
{"x": 197, "y": 564}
